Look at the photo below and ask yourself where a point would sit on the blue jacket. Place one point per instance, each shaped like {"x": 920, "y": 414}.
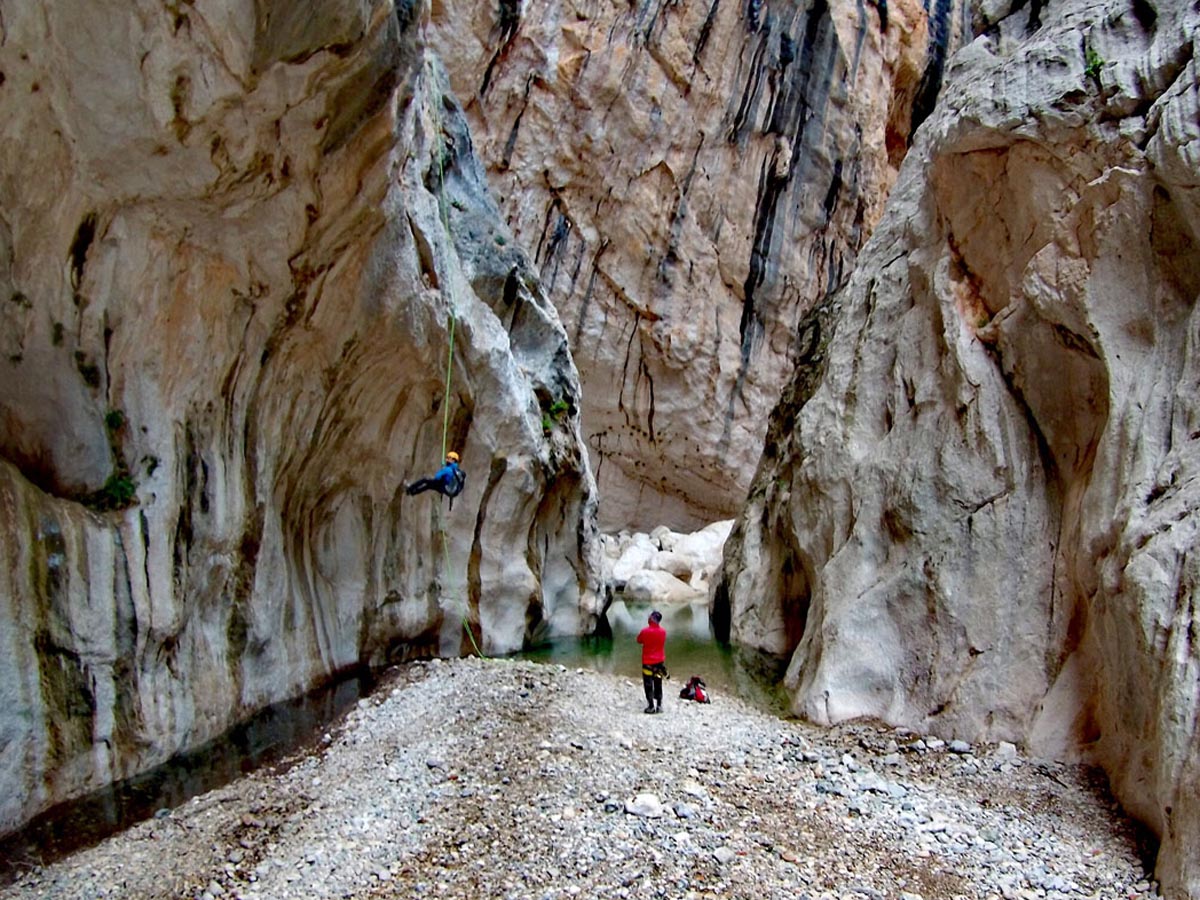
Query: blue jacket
{"x": 447, "y": 474}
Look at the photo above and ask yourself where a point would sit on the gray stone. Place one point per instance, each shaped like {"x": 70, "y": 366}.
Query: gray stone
{"x": 724, "y": 855}
{"x": 645, "y": 805}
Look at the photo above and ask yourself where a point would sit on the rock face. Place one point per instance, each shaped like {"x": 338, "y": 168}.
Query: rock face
{"x": 237, "y": 242}
{"x": 976, "y": 513}
{"x": 691, "y": 178}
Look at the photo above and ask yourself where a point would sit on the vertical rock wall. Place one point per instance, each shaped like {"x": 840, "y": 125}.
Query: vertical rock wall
{"x": 977, "y": 511}
{"x": 227, "y": 290}
{"x": 691, "y": 177}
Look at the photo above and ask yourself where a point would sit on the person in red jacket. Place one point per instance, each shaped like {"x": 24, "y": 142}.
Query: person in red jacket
{"x": 654, "y": 666}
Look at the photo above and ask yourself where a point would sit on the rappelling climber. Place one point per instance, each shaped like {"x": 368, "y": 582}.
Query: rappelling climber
{"x": 448, "y": 480}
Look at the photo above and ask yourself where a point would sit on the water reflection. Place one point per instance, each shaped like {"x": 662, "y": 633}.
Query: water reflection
{"x": 691, "y": 650}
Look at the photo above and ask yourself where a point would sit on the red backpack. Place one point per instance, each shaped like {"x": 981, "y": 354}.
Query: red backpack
{"x": 694, "y": 690}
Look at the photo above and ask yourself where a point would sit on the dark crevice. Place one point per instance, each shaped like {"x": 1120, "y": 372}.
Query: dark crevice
{"x": 585, "y": 303}
{"x": 1145, "y": 13}
{"x": 935, "y": 66}
{"x": 552, "y": 238}
{"x": 633, "y": 332}
{"x": 644, "y": 372}
{"x": 807, "y": 85}
{"x": 771, "y": 186}
{"x": 720, "y": 616}
{"x": 787, "y": 50}
{"x": 145, "y": 523}
{"x": 508, "y": 21}
{"x": 579, "y": 254}
{"x": 790, "y": 117}
{"x": 84, "y": 235}
{"x": 511, "y": 143}
{"x": 496, "y": 473}
{"x": 754, "y": 9}
{"x": 792, "y": 109}
{"x": 648, "y": 30}
{"x": 705, "y": 31}
{"x": 671, "y": 256}
{"x": 1045, "y": 450}
{"x": 406, "y": 13}
{"x": 512, "y": 284}
{"x": 835, "y": 190}
{"x": 185, "y": 526}
{"x": 743, "y": 119}
{"x": 882, "y": 7}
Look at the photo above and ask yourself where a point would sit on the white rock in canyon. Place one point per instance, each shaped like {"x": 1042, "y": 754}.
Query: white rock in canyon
{"x": 664, "y": 567}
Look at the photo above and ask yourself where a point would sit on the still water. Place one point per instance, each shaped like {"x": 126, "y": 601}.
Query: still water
{"x": 691, "y": 650}
{"x": 285, "y": 729}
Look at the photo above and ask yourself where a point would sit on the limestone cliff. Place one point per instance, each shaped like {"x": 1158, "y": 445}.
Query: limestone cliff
{"x": 235, "y": 239}
{"x": 977, "y": 510}
{"x": 691, "y": 177}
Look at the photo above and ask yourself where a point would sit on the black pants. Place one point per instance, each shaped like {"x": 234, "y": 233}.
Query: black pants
{"x": 652, "y": 684}
{"x": 425, "y": 484}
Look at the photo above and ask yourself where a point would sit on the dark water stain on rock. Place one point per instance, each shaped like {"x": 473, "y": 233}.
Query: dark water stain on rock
{"x": 281, "y": 731}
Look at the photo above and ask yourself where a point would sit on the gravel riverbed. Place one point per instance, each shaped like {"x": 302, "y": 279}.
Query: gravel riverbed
{"x": 507, "y": 779}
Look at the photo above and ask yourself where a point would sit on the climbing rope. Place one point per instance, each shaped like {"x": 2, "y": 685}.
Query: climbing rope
{"x": 441, "y": 198}
{"x": 453, "y": 319}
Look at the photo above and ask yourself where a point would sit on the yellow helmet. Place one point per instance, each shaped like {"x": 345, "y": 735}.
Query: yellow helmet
{"x": 452, "y": 456}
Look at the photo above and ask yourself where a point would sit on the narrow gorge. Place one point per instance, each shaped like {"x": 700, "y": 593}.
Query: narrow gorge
{"x": 906, "y": 290}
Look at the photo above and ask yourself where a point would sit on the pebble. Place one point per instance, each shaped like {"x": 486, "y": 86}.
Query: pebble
{"x": 445, "y": 783}
{"x": 724, "y": 855}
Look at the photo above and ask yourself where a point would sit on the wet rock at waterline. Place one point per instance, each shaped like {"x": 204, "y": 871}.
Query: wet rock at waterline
{"x": 691, "y": 178}
{"x": 976, "y": 513}
{"x": 235, "y": 240}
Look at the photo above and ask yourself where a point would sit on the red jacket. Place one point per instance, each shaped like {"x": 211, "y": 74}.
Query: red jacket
{"x": 653, "y": 639}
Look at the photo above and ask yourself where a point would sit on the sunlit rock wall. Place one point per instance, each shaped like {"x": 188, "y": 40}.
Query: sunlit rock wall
{"x": 226, "y": 295}
{"x": 977, "y": 511}
{"x": 691, "y": 178}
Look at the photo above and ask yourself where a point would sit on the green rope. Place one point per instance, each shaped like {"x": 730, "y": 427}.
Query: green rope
{"x": 441, "y": 160}
{"x": 441, "y": 196}
{"x": 449, "y": 372}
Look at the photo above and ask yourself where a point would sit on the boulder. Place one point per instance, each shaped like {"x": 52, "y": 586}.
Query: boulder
{"x": 659, "y": 589}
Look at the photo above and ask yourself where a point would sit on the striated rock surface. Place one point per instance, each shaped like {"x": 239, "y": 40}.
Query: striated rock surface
{"x": 691, "y": 177}
{"x": 976, "y": 513}
{"x": 227, "y": 295}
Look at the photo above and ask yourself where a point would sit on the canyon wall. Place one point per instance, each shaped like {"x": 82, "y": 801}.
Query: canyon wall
{"x": 976, "y": 513}
{"x": 237, "y": 242}
{"x": 691, "y": 178}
